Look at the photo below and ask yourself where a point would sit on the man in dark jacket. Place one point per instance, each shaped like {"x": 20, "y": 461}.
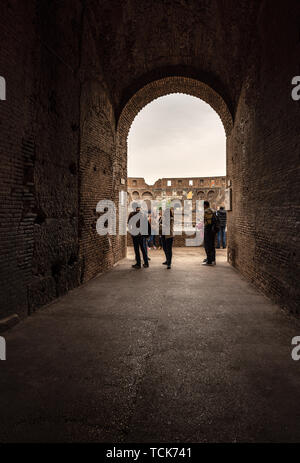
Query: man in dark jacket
{"x": 221, "y": 233}
{"x": 139, "y": 239}
{"x": 209, "y": 235}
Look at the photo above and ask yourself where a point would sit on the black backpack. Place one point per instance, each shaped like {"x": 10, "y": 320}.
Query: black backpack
{"x": 215, "y": 223}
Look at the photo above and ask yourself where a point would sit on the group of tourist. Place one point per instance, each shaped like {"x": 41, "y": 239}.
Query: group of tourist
{"x": 162, "y": 227}
{"x": 142, "y": 240}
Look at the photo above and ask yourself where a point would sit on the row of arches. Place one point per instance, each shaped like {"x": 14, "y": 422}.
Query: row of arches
{"x": 201, "y": 195}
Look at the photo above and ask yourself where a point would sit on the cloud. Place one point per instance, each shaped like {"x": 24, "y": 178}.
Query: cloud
{"x": 176, "y": 136}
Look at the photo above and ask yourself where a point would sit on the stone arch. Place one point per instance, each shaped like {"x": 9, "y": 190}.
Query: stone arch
{"x": 200, "y": 195}
{"x": 167, "y": 86}
{"x": 156, "y": 89}
{"x": 147, "y": 195}
{"x": 135, "y": 195}
{"x": 210, "y": 195}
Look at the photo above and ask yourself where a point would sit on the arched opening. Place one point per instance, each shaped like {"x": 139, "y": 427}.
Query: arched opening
{"x": 135, "y": 195}
{"x": 176, "y": 187}
{"x": 166, "y": 86}
{"x": 201, "y": 195}
{"x": 147, "y": 195}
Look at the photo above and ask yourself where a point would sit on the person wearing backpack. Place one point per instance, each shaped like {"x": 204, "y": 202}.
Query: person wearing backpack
{"x": 211, "y": 227}
{"x": 221, "y": 233}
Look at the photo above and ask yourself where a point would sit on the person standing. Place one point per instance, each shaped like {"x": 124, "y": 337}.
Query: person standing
{"x": 160, "y": 242}
{"x": 167, "y": 238}
{"x": 146, "y": 237}
{"x": 151, "y": 240}
{"x": 209, "y": 235}
{"x": 222, "y": 214}
{"x": 139, "y": 240}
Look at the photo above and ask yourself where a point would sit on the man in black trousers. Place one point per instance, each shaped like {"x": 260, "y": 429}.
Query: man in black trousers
{"x": 139, "y": 240}
{"x": 209, "y": 235}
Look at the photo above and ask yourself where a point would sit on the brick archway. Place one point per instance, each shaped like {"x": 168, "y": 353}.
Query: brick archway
{"x": 163, "y": 87}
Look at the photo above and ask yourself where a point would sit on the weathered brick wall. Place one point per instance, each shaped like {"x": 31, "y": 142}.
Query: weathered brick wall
{"x": 263, "y": 160}
{"x": 101, "y": 171}
{"x": 141, "y": 41}
{"x": 17, "y": 152}
{"x": 55, "y": 267}
{"x": 57, "y": 154}
{"x": 96, "y": 180}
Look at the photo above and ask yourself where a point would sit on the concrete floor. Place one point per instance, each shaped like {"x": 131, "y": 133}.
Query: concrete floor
{"x": 192, "y": 354}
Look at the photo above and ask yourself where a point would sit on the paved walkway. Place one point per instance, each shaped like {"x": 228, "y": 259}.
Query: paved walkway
{"x": 192, "y": 354}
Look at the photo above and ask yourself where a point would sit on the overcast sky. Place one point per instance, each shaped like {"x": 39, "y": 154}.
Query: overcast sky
{"x": 176, "y": 136}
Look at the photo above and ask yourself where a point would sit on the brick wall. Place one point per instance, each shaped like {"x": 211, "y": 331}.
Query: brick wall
{"x": 102, "y": 173}
{"x": 57, "y": 149}
{"x": 17, "y": 150}
{"x": 263, "y": 161}
{"x": 55, "y": 266}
